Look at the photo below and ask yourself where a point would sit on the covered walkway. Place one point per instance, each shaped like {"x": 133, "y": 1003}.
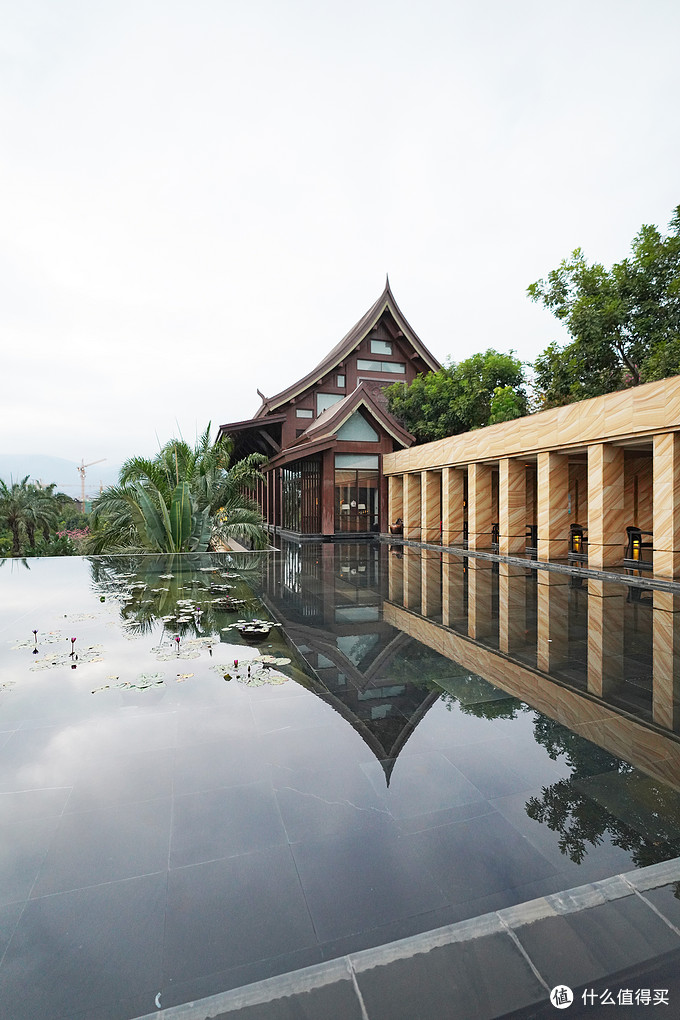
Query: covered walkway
{"x": 596, "y": 480}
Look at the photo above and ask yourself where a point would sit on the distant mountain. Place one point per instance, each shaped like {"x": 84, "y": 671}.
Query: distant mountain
{"x": 47, "y": 469}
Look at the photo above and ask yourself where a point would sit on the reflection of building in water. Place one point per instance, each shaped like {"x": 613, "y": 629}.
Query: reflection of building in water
{"x": 330, "y": 599}
{"x": 598, "y": 657}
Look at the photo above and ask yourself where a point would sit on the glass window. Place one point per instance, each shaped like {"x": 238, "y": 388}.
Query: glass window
{"x": 381, "y": 347}
{"x": 302, "y": 413}
{"x": 380, "y": 366}
{"x": 340, "y": 381}
{"x": 326, "y": 400}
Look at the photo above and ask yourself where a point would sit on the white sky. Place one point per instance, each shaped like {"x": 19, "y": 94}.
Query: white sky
{"x": 200, "y": 198}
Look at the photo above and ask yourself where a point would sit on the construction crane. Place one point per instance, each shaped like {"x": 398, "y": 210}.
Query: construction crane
{"x": 81, "y": 469}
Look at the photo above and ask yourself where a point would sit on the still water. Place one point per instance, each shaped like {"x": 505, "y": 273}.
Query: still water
{"x": 419, "y": 739}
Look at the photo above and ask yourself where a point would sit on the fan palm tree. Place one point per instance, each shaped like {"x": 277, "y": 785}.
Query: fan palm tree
{"x": 180, "y": 501}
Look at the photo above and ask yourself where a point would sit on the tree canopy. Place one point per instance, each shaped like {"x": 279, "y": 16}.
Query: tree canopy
{"x": 183, "y": 500}
{"x": 26, "y": 508}
{"x": 624, "y": 321}
{"x": 484, "y": 389}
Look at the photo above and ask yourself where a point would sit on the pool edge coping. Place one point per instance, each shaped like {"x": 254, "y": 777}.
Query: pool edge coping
{"x": 505, "y": 921}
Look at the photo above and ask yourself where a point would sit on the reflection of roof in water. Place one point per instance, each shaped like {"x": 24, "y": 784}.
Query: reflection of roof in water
{"x": 386, "y": 736}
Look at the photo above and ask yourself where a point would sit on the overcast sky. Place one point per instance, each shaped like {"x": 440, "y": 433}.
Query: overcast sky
{"x": 198, "y": 199}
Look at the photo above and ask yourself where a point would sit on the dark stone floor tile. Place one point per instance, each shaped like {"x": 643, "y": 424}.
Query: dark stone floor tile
{"x": 585, "y": 859}
{"x": 324, "y": 803}
{"x": 208, "y": 766}
{"x": 479, "y": 766}
{"x": 43, "y": 803}
{"x": 123, "y": 779}
{"x": 25, "y": 845}
{"x": 220, "y": 823}
{"x": 228, "y": 913}
{"x": 9, "y": 917}
{"x": 480, "y": 979}
{"x": 422, "y": 784}
{"x": 583, "y": 947}
{"x": 502, "y": 859}
{"x": 363, "y": 880}
{"x": 448, "y": 816}
{"x": 283, "y": 712}
{"x": 64, "y": 960}
{"x": 322, "y": 747}
{"x": 92, "y": 847}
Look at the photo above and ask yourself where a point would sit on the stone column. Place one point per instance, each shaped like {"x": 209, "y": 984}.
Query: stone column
{"x": 412, "y": 579}
{"x": 453, "y": 511}
{"x": 431, "y": 584}
{"x": 512, "y": 506}
{"x": 480, "y": 508}
{"x": 430, "y": 506}
{"x": 481, "y": 625}
{"x": 606, "y": 605}
{"x": 606, "y": 517}
{"x": 553, "y": 506}
{"x": 454, "y": 580}
{"x": 412, "y": 508}
{"x": 512, "y": 608}
{"x": 666, "y": 661}
{"x": 667, "y": 505}
{"x": 395, "y": 498}
{"x": 552, "y": 638}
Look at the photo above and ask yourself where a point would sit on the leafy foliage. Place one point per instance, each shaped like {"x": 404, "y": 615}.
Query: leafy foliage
{"x": 27, "y": 509}
{"x": 624, "y": 321}
{"x": 183, "y": 500}
{"x": 483, "y": 389}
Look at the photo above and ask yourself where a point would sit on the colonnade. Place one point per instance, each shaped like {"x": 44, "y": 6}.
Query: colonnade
{"x": 502, "y": 501}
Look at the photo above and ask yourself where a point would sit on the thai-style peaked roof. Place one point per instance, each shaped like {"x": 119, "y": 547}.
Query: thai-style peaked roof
{"x": 328, "y": 423}
{"x": 399, "y": 326}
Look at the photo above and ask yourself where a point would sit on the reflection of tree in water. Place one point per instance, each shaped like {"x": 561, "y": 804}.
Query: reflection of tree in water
{"x": 651, "y": 832}
{"x": 187, "y": 591}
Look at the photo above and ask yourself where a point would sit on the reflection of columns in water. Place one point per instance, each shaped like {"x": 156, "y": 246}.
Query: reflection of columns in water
{"x": 553, "y": 506}
{"x": 453, "y": 590}
{"x": 480, "y": 582}
{"x": 606, "y": 604}
{"x": 512, "y": 608}
{"x": 606, "y": 513}
{"x": 480, "y": 507}
{"x": 667, "y": 505}
{"x": 395, "y": 574}
{"x": 431, "y": 583}
{"x": 666, "y": 659}
{"x": 412, "y": 507}
{"x": 552, "y": 635}
{"x": 512, "y": 506}
{"x": 430, "y": 508}
{"x": 412, "y": 578}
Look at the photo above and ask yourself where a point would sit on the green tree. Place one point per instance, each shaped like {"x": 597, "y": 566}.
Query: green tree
{"x": 15, "y": 509}
{"x": 624, "y": 321}
{"x": 183, "y": 500}
{"x": 485, "y": 388}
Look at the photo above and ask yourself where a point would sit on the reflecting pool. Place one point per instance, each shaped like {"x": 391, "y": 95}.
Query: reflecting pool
{"x": 419, "y": 738}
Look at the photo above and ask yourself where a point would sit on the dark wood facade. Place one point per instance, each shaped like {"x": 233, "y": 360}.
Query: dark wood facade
{"x": 325, "y": 435}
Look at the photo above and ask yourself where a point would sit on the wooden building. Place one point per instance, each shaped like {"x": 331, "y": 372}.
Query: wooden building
{"x": 326, "y": 434}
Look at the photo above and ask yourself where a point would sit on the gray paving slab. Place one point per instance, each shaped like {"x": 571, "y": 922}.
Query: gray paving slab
{"x": 621, "y": 930}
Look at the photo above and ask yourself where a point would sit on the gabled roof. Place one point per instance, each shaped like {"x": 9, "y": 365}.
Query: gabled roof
{"x": 351, "y": 340}
{"x": 328, "y": 423}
